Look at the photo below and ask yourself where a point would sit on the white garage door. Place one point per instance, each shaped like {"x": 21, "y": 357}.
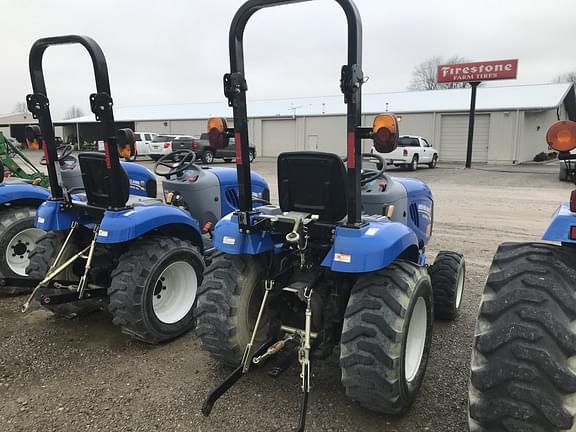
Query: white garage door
{"x": 278, "y": 136}
{"x": 454, "y": 138}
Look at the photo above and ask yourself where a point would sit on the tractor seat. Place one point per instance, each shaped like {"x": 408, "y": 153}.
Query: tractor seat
{"x": 313, "y": 182}
{"x": 97, "y": 181}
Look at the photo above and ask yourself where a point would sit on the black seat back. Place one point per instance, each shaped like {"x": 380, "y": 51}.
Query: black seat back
{"x": 313, "y": 182}
{"x": 96, "y": 179}
{"x": 1, "y": 172}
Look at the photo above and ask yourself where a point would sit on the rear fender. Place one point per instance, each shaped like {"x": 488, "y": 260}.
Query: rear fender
{"x": 51, "y": 217}
{"x": 229, "y": 239}
{"x": 370, "y": 248}
{"x": 559, "y": 228}
{"x": 123, "y": 226}
{"x": 10, "y": 193}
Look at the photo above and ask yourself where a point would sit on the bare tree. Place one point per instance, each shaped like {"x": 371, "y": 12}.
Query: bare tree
{"x": 20, "y": 107}
{"x": 425, "y": 75}
{"x": 566, "y": 77}
{"x": 73, "y": 112}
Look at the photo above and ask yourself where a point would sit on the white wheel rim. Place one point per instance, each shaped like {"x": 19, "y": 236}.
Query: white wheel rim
{"x": 19, "y": 248}
{"x": 209, "y": 157}
{"x": 175, "y": 292}
{"x": 460, "y": 288}
{"x": 416, "y": 340}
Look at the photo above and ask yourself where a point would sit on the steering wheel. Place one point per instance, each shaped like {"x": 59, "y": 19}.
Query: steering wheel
{"x": 62, "y": 152}
{"x": 370, "y": 174}
{"x": 177, "y": 162}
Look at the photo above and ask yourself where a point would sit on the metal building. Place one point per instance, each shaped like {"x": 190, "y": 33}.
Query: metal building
{"x": 511, "y": 121}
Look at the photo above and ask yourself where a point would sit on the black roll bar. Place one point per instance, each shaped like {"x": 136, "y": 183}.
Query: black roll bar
{"x": 100, "y": 103}
{"x": 235, "y": 88}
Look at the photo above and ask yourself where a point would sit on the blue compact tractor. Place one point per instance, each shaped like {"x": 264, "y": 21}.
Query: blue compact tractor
{"x": 523, "y": 374}
{"x": 141, "y": 258}
{"x": 23, "y": 191}
{"x": 339, "y": 265}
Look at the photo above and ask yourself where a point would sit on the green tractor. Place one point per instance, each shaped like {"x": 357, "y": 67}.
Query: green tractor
{"x": 13, "y": 160}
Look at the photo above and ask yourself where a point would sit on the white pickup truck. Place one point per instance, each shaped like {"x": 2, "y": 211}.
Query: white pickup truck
{"x": 411, "y": 152}
{"x": 143, "y": 145}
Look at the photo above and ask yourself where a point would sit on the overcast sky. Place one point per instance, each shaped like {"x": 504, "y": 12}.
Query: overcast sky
{"x": 175, "y": 51}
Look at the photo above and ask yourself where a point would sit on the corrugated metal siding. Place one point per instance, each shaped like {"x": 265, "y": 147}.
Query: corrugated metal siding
{"x": 454, "y": 138}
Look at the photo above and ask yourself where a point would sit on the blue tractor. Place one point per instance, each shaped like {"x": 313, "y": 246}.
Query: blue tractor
{"x": 140, "y": 258}
{"x": 523, "y": 375}
{"x": 20, "y": 197}
{"x": 339, "y": 264}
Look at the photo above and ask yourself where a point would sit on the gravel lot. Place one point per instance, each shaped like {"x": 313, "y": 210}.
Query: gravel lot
{"x": 68, "y": 375}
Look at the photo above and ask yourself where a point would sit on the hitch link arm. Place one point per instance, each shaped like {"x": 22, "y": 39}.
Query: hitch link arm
{"x": 246, "y": 359}
{"x": 63, "y": 248}
{"x": 304, "y": 359}
{"x": 274, "y": 349}
{"x": 88, "y": 266}
{"x": 51, "y": 275}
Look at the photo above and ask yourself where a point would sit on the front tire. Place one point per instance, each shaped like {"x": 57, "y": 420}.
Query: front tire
{"x": 386, "y": 337}
{"x": 208, "y": 157}
{"x": 448, "y": 274}
{"x": 434, "y": 162}
{"x": 252, "y": 156}
{"x": 154, "y": 287}
{"x": 228, "y": 303}
{"x": 523, "y": 376}
{"x": 18, "y": 237}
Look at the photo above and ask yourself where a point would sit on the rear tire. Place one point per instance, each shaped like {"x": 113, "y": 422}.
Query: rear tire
{"x": 155, "y": 157}
{"x": 523, "y": 376}
{"x": 413, "y": 166}
{"x": 448, "y": 274}
{"x": 386, "y": 337}
{"x": 141, "y": 305}
{"x": 42, "y": 257}
{"x": 18, "y": 237}
{"x": 228, "y": 302}
{"x": 228, "y": 160}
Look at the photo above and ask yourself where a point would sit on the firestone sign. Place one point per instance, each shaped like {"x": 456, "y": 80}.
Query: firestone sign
{"x": 479, "y": 71}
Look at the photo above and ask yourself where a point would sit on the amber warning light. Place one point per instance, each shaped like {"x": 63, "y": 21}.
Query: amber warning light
{"x": 562, "y": 136}
{"x": 217, "y": 132}
{"x": 385, "y": 133}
